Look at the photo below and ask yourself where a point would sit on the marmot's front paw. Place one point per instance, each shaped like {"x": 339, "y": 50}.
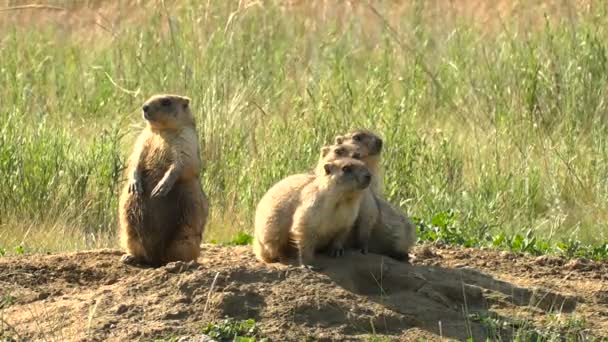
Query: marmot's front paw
{"x": 129, "y": 259}
{"x": 310, "y": 267}
{"x": 135, "y": 186}
{"x": 161, "y": 190}
{"x": 336, "y": 251}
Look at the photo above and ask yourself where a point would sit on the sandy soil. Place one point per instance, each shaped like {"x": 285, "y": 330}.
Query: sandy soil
{"x": 91, "y": 296}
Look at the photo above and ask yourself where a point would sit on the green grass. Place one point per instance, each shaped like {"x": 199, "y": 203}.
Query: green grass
{"x": 556, "y": 328}
{"x": 232, "y": 330}
{"x": 506, "y": 129}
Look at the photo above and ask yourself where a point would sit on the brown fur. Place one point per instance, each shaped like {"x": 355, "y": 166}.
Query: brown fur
{"x": 162, "y": 209}
{"x": 313, "y": 211}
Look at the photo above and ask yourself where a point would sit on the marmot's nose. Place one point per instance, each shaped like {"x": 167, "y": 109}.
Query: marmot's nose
{"x": 145, "y": 108}
{"x": 356, "y": 155}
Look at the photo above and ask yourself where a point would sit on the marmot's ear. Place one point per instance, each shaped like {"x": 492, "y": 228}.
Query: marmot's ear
{"x": 327, "y": 168}
{"x": 186, "y": 101}
{"x": 379, "y": 144}
{"x": 324, "y": 151}
{"x": 339, "y": 139}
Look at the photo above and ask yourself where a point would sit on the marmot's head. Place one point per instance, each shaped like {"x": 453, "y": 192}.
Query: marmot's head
{"x": 348, "y": 174}
{"x": 333, "y": 152}
{"x": 168, "y": 111}
{"x": 370, "y": 143}
{"x": 346, "y": 150}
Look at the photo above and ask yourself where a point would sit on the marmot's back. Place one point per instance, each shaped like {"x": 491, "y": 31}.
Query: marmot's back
{"x": 274, "y": 217}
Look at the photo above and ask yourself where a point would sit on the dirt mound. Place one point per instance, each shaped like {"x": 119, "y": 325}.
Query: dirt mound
{"x": 449, "y": 292}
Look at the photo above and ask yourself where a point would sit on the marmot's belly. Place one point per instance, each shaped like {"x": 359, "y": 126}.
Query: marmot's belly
{"x": 151, "y": 177}
{"x": 163, "y": 213}
{"x": 172, "y": 209}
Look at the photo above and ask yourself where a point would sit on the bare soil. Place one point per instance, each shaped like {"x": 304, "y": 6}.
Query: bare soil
{"x": 91, "y": 296}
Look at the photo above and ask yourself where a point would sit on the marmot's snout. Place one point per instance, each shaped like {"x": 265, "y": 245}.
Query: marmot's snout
{"x": 146, "y": 109}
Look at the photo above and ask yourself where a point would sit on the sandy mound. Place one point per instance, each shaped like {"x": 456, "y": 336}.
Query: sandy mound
{"x": 445, "y": 291}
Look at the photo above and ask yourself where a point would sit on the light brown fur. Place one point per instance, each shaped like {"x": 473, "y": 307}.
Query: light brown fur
{"x": 388, "y": 231}
{"x": 162, "y": 209}
{"x": 314, "y": 212}
{"x": 274, "y": 217}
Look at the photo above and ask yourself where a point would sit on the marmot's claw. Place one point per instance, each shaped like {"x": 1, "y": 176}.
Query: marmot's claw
{"x": 135, "y": 187}
{"x": 128, "y": 259}
{"x": 310, "y": 267}
{"x": 160, "y": 190}
{"x": 336, "y": 252}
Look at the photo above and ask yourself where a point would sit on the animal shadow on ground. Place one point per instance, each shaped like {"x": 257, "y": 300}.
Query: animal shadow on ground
{"x": 437, "y": 299}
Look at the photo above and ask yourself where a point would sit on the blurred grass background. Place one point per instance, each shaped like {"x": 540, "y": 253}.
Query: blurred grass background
{"x": 493, "y": 112}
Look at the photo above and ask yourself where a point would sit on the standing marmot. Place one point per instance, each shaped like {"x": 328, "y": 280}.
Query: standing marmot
{"x": 393, "y": 234}
{"x": 368, "y": 210}
{"x": 163, "y": 209}
{"x": 371, "y": 147}
{"x": 315, "y": 212}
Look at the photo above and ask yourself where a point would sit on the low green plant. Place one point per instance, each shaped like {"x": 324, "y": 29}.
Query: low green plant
{"x": 572, "y": 329}
{"x": 234, "y": 330}
{"x": 170, "y": 338}
{"x": 7, "y": 300}
{"x": 556, "y": 328}
{"x": 443, "y": 227}
{"x": 241, "y": 239}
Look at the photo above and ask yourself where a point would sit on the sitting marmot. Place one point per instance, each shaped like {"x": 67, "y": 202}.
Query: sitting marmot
{"x": 163, "y": 209}
{"x": 314, "y": 212}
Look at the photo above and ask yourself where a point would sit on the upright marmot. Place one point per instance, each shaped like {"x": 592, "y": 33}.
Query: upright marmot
{"x": 371, "y": 148}
{"x": 163, "y": 209}
{"x": 368, "y": 209}
{"x": 314, "y": 212}
{"x": 392, "y": 234}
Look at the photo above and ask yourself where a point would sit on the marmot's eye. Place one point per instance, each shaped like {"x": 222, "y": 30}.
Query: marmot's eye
{"x": 165, "y": 102}
{"x": 357, "y": 137}
{"x": 347, "y": 169}
{"x": 339, "y": 151}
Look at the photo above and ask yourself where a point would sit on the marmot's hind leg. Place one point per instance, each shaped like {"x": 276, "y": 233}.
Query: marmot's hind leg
{"x": 185, "y": 244}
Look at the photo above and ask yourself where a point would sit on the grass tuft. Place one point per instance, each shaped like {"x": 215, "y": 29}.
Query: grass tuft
{"x": 233, "y": 330}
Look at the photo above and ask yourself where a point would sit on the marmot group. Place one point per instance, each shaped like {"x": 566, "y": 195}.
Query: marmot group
{"x": 163, "y": 209}
{"x": 375, "y": 226}
{"x": 315, "y": 212}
